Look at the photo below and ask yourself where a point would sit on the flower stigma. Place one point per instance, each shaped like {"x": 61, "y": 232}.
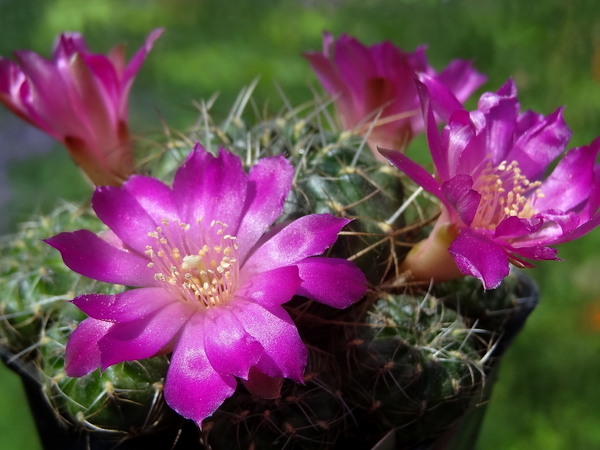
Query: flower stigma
{"x": 198, "y": 264}
{"x": 505, "y": 192}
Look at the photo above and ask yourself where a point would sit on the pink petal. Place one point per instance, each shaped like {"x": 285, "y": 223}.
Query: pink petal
{"x": 285, "y": 354}
{"x": 155, "y": 197}
{"x": 440, "y": 158}
{"x": 210, "y": 188}
{"x": 500, "y": 122}
{"x": 109, "y": 83}
{"x": 50, "y": 98}
{"x": 536, "y": 252}
{"x": 489, "y": 100}
{"x": 90, "y": 256}
{"x": 271, "y": 288}
{"x": 566, "y": 222}
{"x": 269, "y": 183}
{"x": 12, "y": 80}
{"x": 457, "y": 139}
{"x": 143, "y": 337}
{"x": 262, "y": 385}
{"x": 93, "y": 108}
{"x": 460, "y": 195}
{"x": 126, "y": 306}
{"x": 480, "y": 257}
{"x": 514, "y": 227}
{"x": 193, "y": 388}
{"x": 82, "y": 355}
{"x": 539, "y": 146}
{"x": 441, "y": 98}
{"x": 121, "y": 212}
{"x": 328, "y": 76}
{"x": 579, "y": 231}
{"x": 332, "y": 81}
{"x": 570, "y": 183}
{"x": 333, "y": 281}
{"x": 307, "y": 236}
{"x": 355, "y": 64}
{"x": 460, "y": 77}
{"x": 415, "y": 172}
{"x": 230, "y": 349}
{"x": 68, "y": 44}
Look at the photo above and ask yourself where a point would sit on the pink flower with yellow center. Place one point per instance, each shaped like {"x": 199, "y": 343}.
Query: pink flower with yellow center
{"x": 210, "y": 279}
{"x": 80, "y": 99}
{"x": 498, "y": 206}
{"x": 366, "y": 81}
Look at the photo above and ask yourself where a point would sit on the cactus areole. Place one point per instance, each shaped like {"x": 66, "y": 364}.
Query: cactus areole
{"x": 210, "y": 282}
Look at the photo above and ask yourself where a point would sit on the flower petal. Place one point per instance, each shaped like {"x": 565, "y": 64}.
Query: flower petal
{"x": 570, "y": 183}
{"x": 262, "y": 385}
{"x": 514, "y": 227}
{"x": 90, "y": 256}
{"x": 579, "y": 231}
{"x": 269, "y": 183}
{"x": 121, "y": 212}
{"x": 440, "y": 158}
{"x": 461, "y": 79}
{"x": 230, "y": 349}
{"x": 441, "y": 99}
{"x": 332, "y": 281}
{"x": 307, "y": 236}
{"x": 82, "y": 355}
{"x": 155, "y": 197}
{"x": 458, "y": 190}
{"x": 480, "y": 257}
{"x": 126, "y": 306}
{"x": 143, "y": 337}
{"x": 210, "y": 188}
{"x": 193, "y": 388}
{"x": 415, "y": 172}
{"x": 535, "y": 252}
{"x": 539, "y": 146}
{"x": 271, "y": 288}
{"x": 355, "y": 64}
{"x": 50, "y": 98}
{"x": 285, "y": 352}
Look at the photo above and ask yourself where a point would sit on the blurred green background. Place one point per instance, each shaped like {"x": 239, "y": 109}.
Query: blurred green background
{"x": 547, "y": 396}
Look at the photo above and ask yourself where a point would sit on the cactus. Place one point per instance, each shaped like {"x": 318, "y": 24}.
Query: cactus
{"x": 406, "y": 358}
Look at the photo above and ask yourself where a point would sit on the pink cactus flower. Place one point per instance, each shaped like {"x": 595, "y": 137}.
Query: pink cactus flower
{"x": 210, "y": 282}
{"x": 498, "y": 205}
{"x": 80, "y": 99}
{"x": 368, "y": 80}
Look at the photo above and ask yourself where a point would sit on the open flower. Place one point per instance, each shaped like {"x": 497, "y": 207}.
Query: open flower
{"x": 210, "y": 281}
{"x": 498, "y": 207}
{"x": 80, "y": 99}
{"x": 365, "y": 80}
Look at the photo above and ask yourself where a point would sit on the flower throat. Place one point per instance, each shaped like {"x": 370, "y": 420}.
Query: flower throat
{"x": 198, "y": 263}
{"x": 503, "y": 192}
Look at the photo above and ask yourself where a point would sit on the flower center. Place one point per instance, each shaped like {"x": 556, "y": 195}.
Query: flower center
{"x": 198, "y": 264}
{"x": 505, "y": 192}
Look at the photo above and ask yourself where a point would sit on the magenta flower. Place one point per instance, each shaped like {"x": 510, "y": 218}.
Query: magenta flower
{"x": 80, "y": 99}
{"x": 210, "y": 281}
{"x": 498, "y": 206}
{"x": 365, "y": 80}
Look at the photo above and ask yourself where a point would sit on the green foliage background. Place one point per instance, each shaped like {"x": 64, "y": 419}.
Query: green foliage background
{"x": 547, "y": 395}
